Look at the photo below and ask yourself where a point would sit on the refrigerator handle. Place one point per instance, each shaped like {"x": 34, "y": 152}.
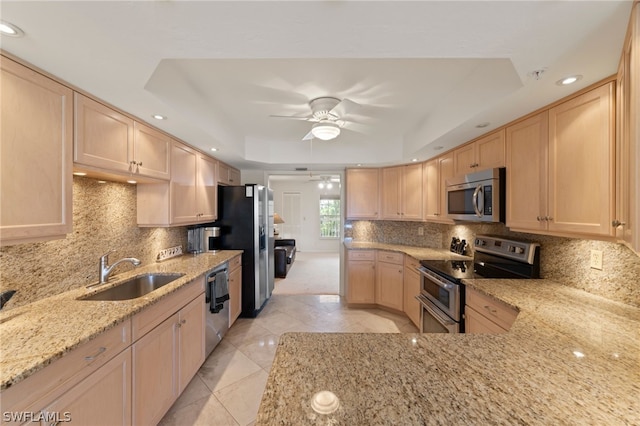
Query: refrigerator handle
{"x": 263, "y": 238}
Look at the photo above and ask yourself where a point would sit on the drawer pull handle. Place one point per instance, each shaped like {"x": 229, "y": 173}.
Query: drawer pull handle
{"x": 92, "y": 357}
{"x": 493, "y": 311}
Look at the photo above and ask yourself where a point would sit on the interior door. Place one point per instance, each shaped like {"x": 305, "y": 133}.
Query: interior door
{"x": 292, "y": 214}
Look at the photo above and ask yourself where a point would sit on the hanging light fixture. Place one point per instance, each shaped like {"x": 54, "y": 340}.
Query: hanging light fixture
{"x": 325, "y": 130}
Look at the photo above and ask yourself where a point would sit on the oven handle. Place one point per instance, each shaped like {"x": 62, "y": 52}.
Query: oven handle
{"x": 476, "y": 204}
{"x": 435, "y": 278}
{"x": 429, "y": 307}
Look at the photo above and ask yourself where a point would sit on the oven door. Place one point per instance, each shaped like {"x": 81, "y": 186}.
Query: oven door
{"x": 433, "y": 320}
{"x": 442, "y": 293}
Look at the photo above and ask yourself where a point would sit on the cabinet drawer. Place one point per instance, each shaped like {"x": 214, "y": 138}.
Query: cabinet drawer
{"x": 390, "y": 257}
{"x": 476, "y": 323}
{"x": 411, "y": 263}
{"x": 38, "y": 390}
{"x": 234, "y": 263}
{"x": 148, "y": 319}
{"x": 496, "y": 311}
{"x": 361, "y": 255}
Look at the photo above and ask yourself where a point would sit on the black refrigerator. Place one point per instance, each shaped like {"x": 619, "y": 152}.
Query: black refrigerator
{"x": 245, "y": 218}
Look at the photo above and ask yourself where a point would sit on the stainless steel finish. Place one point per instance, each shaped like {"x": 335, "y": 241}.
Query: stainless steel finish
{"x": 195, "y": 240}
{"x": 431, "y": 312}
{"x": 524, "y": 252}
{"x": 476, "y": 205}
{"x": 105, "y": 269}
{"x": 134, "y": 288}
{"x": 211, "y": 239}
{"x": 452, "y": 288}
{"x": 473, "y": 186}
{"x": 216, "y": 308}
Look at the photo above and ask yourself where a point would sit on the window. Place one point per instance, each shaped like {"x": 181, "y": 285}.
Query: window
{"x": 329, "y": 216}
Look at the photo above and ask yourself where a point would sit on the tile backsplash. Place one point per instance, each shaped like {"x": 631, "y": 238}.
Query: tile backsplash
{"x": 104, "y": 218}
{"x": 565, "y": 260}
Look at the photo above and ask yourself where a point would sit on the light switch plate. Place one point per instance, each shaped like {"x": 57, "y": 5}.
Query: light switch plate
{"x": 596, "y": 259}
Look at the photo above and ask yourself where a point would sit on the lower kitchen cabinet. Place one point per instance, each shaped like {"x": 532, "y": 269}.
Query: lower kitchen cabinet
{"x": 411, "y": 289}
{"x": 389, "y": 280}
{"x": 165, "y": 360}
{"x": 484, "y": 314}
{"x": 235, "y": 289}
{"x": 361, "y": 276}
{"x": 103, "y": 398}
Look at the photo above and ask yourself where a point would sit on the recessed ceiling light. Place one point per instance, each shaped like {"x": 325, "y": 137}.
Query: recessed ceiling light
{"x": 79, "y": 174}
{"x": 414, "y": 159}
{"x": 438, "y": 148}
{"x": 359, "y": 165}
{"x": 214, "y": 149}
{"x": 8, "y": 29}
{"x": 483, "y": 125}
{"x": 159, "y": 117}
{"x": 568, "y": 80}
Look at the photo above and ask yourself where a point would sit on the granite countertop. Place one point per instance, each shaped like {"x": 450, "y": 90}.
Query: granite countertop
{"x": 569, "y": 358}
{"x": 37, "y": 334}
{"x": 420, "y": 253}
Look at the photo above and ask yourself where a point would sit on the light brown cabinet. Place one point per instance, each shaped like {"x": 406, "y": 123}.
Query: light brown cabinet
{"x": 235, "y": 289}
{"x": 36, "y": 156}
{"x": 411, "y": 278}
{"x": 627, "y": 215}
{"x": 389, "y": 288}
{"x": 189, "y": 198}
{"x": 228, "y": 175}
{"x": 484, "y": 314}
{"x": 110, "y": 141}
{"x": 363, "y": 188}
{"x": 401, "y": 194}
{"x": 361, "y": 276}
{"x": 571, "y": 176}
{"x": 484, "y": 153}
{"x": 435, "y": 173}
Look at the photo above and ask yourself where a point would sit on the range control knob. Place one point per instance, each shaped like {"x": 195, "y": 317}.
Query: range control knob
{"x": 480, "y": 242}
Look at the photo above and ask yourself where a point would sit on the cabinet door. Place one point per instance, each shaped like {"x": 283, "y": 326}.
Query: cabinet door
{"x": 389, "y": 285}
{"x": 581, "y": 163}
{"x": 431, "y": 190}
{"x": 490, "y": 151}
{"x": 151, "y": 152}
{"x": 191, "y": 338}
{"x": 155, "y": 385}
{"x": 412, "y": 192}
{"x": 411, "y": 289}
{"x": 35, "y": 156}
{"x": 183, "y": 184}
{"x": 361, "y": 278}
{"x": 103, "y": 398}
{"x": 235, "y": 294}
{"x": 446, "y": 172}
{"x": 207, "y": 189}
{"x": 464, "y": 160}
{"x": 526, "y": 188}
{"x": 362, "y": 193}
{"x": 234, "y": 176}
{"x": 103, "y": 136}
{"x": 223, "y": 174}
{"x": 390, "y": 195}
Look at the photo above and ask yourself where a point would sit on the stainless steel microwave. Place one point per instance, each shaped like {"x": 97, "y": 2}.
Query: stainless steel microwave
{"x": 477, "y": 197}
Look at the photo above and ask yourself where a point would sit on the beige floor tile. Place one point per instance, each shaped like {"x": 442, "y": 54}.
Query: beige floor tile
{"x": 223, "y": 369}
{"x": 205, "y": 411}
{"x": 243, "y": 331}
{"x": 242, "y": 399}
{"x": 195, "y": 391}
{"x": 280, "y": 322}
{"x": 261, "y": 350}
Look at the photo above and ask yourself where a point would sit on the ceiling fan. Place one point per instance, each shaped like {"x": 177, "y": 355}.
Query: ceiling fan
{"x": 327, "y": 114}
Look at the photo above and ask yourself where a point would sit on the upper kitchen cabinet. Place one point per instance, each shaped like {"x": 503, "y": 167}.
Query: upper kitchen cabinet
{"x": 35, "y": 156}
{"x": 560, "y": 167}
{"x": 228, "y": 175}
{"x": 108, "y": 141}
{"x": 362, "y": 193}
{"x": 189, "y": 198}
{"x": 484, "y": 153}
{"x": 401, "y": 194}
{"x": 435, "y": 172}
{"x": 626, "y": 221}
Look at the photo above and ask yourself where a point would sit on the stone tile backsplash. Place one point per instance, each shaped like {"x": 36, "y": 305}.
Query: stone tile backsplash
{"x": 565, "y": 260}
{"x": 104, "y": 218}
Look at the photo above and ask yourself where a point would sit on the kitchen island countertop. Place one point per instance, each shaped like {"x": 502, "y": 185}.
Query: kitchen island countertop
{"x": 569, "y": 358}
{"x": 35, "y": 335}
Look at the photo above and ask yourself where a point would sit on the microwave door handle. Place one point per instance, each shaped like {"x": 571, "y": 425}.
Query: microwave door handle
{"x": 476, "y": 201}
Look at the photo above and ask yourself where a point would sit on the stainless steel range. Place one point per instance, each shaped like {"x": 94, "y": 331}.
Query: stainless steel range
{"x": 442, "y": 291}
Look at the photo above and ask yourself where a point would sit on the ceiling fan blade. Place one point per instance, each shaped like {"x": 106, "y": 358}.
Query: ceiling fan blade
{"x": 293, "y": 117}
{"x": 308, "y": 136}
{"x": 345, "y": 107}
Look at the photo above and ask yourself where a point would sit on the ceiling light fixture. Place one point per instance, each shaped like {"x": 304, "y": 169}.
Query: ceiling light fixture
{"x": 569, "y": 80}
{"x": 483, "y": 125}
{"x": 325, "y": 130}
{"x": 7, "y": 28}
{"x": 159, "y": 117}
{"x": 414, "y": 160}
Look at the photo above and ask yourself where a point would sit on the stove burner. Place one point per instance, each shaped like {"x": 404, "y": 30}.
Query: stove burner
{"x": 459, "y": 265}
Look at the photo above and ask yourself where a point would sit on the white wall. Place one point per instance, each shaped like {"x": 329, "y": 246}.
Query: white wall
{"x": 309, "y": 239}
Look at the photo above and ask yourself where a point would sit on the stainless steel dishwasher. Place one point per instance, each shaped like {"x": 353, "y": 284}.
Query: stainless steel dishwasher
{"x": 217, "y": 306}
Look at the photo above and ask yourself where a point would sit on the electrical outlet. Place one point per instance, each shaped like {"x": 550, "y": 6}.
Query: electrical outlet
{"x": 596, "y": 259}
{"x": 420, "y": 230}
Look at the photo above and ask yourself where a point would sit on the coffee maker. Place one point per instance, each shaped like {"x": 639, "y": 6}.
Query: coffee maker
{"x": 204, "y": 239}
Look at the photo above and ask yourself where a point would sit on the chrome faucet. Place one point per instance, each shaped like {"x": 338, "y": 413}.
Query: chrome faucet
{"x": 105, "y": 269}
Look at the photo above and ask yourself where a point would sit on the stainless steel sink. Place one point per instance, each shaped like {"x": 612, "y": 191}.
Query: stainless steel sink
{"x": 134, "y": 288}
